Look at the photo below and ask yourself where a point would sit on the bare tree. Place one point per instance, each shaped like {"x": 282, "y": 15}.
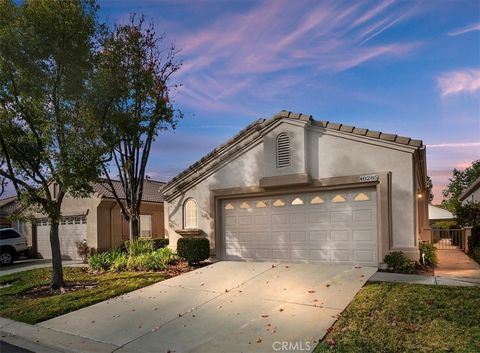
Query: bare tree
{"x": 133, "y": 100}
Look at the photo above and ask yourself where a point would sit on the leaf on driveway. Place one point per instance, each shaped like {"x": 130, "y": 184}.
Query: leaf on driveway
{"x": 327, "y": 285}
{"x": 259, "y": 340}
{"x": 281, "y": 309}
{"x": 264, "y": 316}
{"x": 311, "y": 291}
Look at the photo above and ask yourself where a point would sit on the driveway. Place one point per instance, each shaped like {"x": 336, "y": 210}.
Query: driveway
{"x": 224, "y": 307}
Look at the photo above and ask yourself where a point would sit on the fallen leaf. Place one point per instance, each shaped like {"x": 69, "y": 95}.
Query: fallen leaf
{"x": 179, "y": 315}
{"x": 327, "y": 285}
{"x": 330, "y": 342}
{"x": 193, "y": 315}
{"x": 315, "y": 300}
{"x": 259, "y": 340}
{"x": 264, "y": 316}
{"x": 280, "y": 309}
{"x": 311, "y": 291}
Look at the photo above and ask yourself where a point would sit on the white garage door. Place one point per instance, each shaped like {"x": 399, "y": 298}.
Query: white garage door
{"x": 71, "y": 230}
{"x": 332, "y": 227}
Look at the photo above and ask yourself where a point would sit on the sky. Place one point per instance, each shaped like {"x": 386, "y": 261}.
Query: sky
{"x": 410, "y": 68}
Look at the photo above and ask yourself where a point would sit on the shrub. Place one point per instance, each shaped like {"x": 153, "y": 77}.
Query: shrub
{"x": 428, "y": 254}
{"x": 103, "y": 261}
{"x": 397, "y": 262}
{"x": 160, "y": 243}
{"x": 83, "y": 250}
{"x": 119, "y": 264}
{"x": 139, "y": 246}
{"x": 193, "y": 250}
{"x": 165, "y": 255}
{"x": 145, "y": 262}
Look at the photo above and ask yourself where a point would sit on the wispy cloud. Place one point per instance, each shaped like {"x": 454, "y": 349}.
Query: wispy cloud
{"x": 455, "y": 145}
{"x": 237, "y": 55}
{"x": 463, "y": 30}
{"x": 455, "y": 82}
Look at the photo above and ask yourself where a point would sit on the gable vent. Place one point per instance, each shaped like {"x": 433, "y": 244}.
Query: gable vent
{"x": 283, "y": 150}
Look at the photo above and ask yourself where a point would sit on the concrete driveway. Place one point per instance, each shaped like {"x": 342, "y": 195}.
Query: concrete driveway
{"x": 224, "y": 307}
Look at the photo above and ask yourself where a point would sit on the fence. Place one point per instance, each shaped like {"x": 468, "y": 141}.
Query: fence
{"x": 448, "y": 239}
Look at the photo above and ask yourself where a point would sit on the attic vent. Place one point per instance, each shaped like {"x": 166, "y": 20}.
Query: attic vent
{"x": 283, "y": 150}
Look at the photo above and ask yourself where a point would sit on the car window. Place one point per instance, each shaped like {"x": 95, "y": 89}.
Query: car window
{"x": 8, "y": 234}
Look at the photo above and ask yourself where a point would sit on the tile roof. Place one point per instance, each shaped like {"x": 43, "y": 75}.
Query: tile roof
{"x": 261, "y": 123}
{"x": 7, "y": 200}
{"x": 152, "y": 190}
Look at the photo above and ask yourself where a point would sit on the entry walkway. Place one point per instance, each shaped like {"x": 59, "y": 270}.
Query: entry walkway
{"x": 456, "y": 264}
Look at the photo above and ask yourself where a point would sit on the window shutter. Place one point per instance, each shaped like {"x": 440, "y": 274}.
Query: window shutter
{"x": 283, "y": 150}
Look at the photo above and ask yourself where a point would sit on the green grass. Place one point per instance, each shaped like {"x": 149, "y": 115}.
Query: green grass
{"x": 391, "y": 318}
{"x": 33, "y": 310}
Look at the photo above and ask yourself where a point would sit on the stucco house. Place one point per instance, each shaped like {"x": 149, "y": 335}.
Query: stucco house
{"x": 96, "y": 218}
{"x": 8, "y": 207}
{"x": 472, "y": 193}
{"x": 291, "y": 188}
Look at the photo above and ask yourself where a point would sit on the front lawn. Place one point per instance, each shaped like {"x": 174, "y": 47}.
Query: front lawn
{"x": 24, "y": 296}
{"x": 391, "y": 318}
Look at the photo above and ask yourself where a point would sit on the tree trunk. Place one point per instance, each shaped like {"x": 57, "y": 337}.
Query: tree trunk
{"x": 57, "y": 269}
{"x": 134, "y": 227}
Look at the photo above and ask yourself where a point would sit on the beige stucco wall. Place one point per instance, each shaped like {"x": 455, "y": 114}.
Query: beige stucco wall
{"x": 106, "y": 227}
{"x": 72, "y": 206}
{"x": 473, "y": 197}
{"x": 113, "y": 229}
{"x": 328, "y": 154}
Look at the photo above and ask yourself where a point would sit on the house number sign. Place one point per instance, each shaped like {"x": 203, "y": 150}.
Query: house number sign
{"x": 368, "y": 178}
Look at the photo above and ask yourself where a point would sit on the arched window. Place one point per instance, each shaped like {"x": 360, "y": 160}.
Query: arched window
{"x": 283, "y": 150}
{"x": 190, "y": 211}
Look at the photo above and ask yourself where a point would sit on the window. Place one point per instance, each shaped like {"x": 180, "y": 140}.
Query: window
{"x": 339, "y": 198}
{"x": 146, "y": 225}
{"x": 283, "y": 150}
{"x": 229, "y": 206}
{"x": 316, "y": 200}
{"x": 190, "y": 214}
{"x": 8, "y": 234}
{"x": 278, "y": 203}
{"x": 261, "y": 204}
{"x": 297, "y": 201}
{"x": 361, "y": 196}
{"x": 244, "y": 205}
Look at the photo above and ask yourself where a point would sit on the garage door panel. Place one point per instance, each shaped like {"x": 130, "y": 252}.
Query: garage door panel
{"x": 342, "y": 255}
{"x": 334, "y": 227}
{"x": 298, "y": 218}
{"x": 318, "y": 235}
{"x": 339, "y": 235}
{"x": 364, "y": 235}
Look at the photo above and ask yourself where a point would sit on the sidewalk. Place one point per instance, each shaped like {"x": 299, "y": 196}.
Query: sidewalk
{"x": 455, "y": 263}
{"x": 419, "y": 279}
{"x": 41, "y": 339}
{"x": 31, "y": 264}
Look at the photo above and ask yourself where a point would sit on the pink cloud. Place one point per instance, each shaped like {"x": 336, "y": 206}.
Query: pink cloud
{"x": 239, "y": 50}
{"x": 455, "y": 82}
{"x": 455, "y": 145}
{"x": 466, "y": 29}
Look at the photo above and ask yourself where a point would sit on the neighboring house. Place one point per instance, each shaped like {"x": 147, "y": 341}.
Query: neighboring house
{"x": 98, "y": 219}
{"x": 291, "y": 188}
{"x": 472, "y": 193}
{"x": 438, "y": 214}
{"x": 8, "y": 208}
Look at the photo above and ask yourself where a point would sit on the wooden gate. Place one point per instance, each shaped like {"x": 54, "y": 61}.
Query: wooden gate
{"x": 448, "y": 239}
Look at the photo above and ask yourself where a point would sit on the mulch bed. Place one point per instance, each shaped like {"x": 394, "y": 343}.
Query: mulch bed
{"x": 46, "y": 291}
{"x": 181, "y": 267}
{"x": 419, "y": 270}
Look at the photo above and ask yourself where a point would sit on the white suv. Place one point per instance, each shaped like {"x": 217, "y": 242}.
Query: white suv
{"x": 12, "y": 244}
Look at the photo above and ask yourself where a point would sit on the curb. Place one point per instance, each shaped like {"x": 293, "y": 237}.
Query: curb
{"x": 29, "y": 336}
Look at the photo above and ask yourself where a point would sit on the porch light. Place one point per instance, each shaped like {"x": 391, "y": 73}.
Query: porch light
{"x": 419, "y": 195}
